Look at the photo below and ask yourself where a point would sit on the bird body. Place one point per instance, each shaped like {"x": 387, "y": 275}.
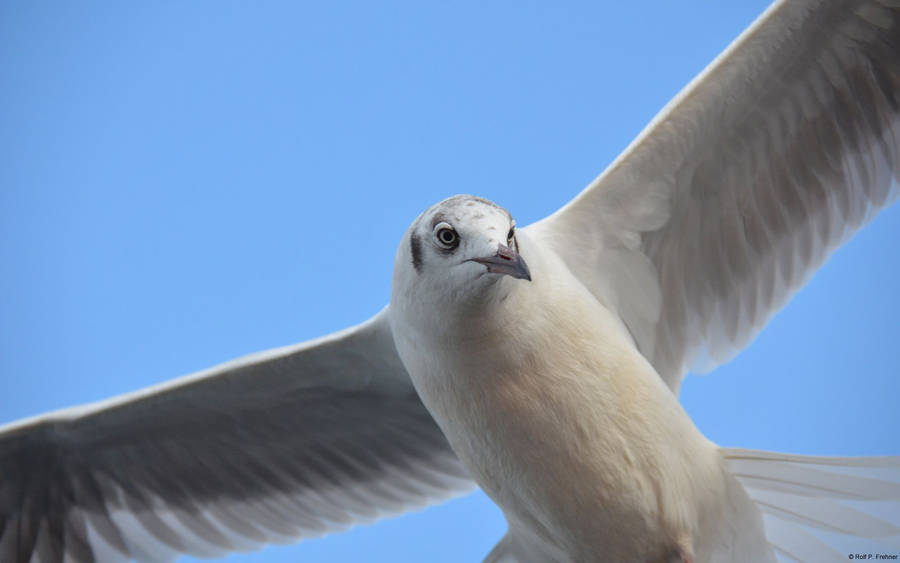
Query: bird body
{"x": 541, "y": 392}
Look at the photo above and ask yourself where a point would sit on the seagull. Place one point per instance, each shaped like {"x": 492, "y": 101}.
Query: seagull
{"x": 541, "y": 363}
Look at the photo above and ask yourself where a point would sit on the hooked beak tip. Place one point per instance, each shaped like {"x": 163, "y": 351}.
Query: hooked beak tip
{"x": 506, "y": 261}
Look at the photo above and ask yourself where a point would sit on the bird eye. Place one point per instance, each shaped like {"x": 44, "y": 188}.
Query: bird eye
{"x": 447, "y": 237}
{"x": 509, "y": 236}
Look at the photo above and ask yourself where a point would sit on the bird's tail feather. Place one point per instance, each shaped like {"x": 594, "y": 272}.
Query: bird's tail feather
{"x": 823, "y": 508}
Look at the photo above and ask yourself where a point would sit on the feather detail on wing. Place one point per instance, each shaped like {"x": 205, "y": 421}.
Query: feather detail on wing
{"x": 818, "y": 509}
{"x": 286, "y": 444}
{"x": 744, "y": 184}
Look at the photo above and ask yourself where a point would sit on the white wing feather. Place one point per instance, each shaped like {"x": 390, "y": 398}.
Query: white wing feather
{"x": 744, "y": 184}
{"x": 822, "y": 508}
{"x": 286, "y": 444}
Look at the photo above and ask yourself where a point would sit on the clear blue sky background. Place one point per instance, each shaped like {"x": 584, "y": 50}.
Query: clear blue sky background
{"x": 183, "y": 183}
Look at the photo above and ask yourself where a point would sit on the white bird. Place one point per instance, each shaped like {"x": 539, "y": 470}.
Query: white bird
{"x": 548, "y": 358}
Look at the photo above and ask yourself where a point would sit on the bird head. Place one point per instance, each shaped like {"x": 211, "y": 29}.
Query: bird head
{"x": 464, "y": 249}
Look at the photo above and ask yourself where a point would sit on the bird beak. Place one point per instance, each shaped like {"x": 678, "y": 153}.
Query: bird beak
{"x": 506, "y": 261}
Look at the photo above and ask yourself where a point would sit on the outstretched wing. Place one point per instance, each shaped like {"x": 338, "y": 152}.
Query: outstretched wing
{"x": 744, "y": 184}
{"x": 276, "y": 446}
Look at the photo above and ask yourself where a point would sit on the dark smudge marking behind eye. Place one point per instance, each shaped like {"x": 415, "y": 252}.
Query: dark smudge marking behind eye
{"x": 415, "y": 249}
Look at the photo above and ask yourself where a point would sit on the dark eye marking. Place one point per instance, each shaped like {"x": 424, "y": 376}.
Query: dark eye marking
{"x": 415, "y": 249}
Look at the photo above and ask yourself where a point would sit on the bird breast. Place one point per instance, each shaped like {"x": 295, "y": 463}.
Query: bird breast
{"x": 566, "y": 426}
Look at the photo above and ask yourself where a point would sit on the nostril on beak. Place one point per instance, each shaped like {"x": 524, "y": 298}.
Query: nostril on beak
{"x": 505, "y": 252}
{"x": 505, "y": 261}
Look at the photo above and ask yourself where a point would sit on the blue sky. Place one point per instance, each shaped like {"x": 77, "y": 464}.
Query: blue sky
{"x": 186, "y": 183}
